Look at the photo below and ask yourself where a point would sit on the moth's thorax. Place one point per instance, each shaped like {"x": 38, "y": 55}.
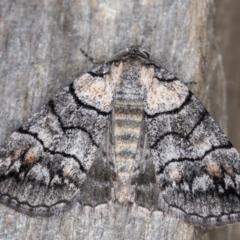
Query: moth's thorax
{"x": 127, "y": 125}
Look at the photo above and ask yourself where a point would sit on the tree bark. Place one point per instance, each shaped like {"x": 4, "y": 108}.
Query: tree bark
{"x": 40, "y": 44}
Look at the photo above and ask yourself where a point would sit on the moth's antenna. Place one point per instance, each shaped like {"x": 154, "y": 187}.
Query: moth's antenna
{"x": 90, "y": 59}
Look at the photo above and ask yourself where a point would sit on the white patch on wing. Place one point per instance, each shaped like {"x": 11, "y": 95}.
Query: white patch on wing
{"x": 202, "y": 183}
{"x": 161, "y": 96}
{"x": 175, "y": 174}
{"x": 98, "y": 91}
{"x": 94, "y": 90}
{"x": 39, "y": 173}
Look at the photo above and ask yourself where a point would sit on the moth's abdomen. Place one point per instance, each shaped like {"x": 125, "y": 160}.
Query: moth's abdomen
{"x": 127, "y": 125}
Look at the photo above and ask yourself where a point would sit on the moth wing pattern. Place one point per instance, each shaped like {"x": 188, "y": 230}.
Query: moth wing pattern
{"x": 197, "y": 168}
{"x": 43, "y": 165}
{"x": 86, "y": 144}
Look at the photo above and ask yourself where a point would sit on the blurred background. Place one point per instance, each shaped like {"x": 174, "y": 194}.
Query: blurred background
{"x": 227, "y": 31}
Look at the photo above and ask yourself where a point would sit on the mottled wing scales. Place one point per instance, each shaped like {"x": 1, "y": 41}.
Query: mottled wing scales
{"x": 161, "y": 95}
{"x": 97, "y": 87}
{"x": 45, "y": 163}
{"x": 144, "y": 179}
{"x": 133, "y": 123}
{"x": 97, "y": 188}
{"x": 197, "y": 168}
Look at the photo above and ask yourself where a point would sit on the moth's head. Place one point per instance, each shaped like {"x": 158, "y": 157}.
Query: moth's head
{"x": 132, "y": 51}
{"x": 137, "y": 50}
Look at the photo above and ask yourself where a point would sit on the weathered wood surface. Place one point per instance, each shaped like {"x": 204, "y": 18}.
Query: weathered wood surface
{"x": 227, "y": 36}
{"x": 40, "y": 44}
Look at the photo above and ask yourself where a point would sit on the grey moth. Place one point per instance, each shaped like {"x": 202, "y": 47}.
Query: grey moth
{"x": 127, "y": 132}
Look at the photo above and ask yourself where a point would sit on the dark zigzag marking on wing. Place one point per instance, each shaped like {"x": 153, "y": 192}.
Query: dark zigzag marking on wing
{"x": 175, "y": 110}
{"x": 29, "y": 205}
{"x": 165, "y": 80}
{"x": 79, "y": 102}
{"x": 152, "y": 63}
{"x": 52, "y": 107}
{"x": 203, "y": 115}
{"x": 209, "y": 216}
{"x": 228, "y": 146}
{"x": 35, "y": 136}
{"x": 97, "y": 74}
{"x": 26, "y": 171}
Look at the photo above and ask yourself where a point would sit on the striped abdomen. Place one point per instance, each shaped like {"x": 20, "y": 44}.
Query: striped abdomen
{"x": 127, "y": 119}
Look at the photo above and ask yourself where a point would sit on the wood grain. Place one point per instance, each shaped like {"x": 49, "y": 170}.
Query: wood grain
{"x": 40, "y": 44}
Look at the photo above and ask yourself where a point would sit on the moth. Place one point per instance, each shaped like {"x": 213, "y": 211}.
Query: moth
{"x": 127, "y": 132}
